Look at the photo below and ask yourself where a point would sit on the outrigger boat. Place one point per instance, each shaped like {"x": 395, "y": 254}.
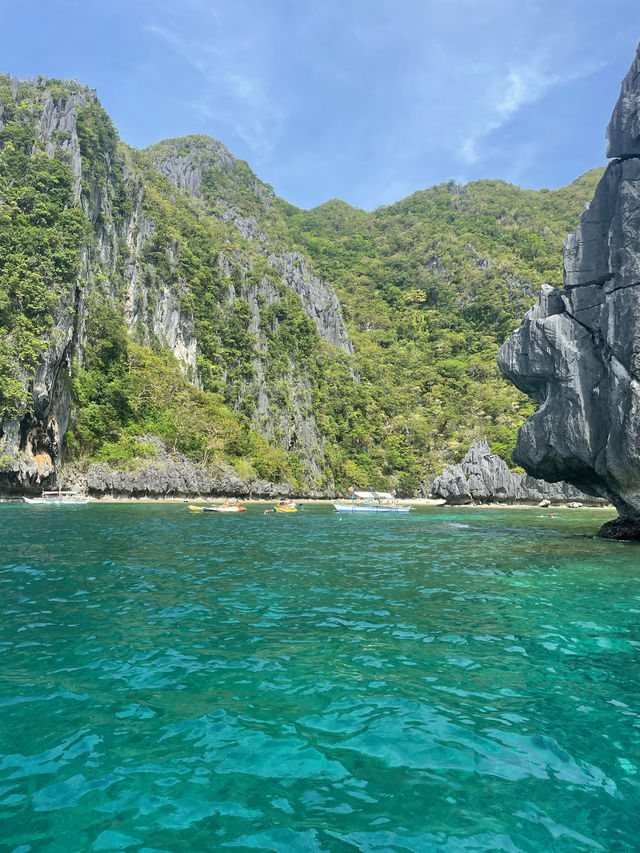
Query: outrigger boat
{"x": 58, "y": 498}
{"x": 224, "y": 507}
{"x": 372, "y": 502}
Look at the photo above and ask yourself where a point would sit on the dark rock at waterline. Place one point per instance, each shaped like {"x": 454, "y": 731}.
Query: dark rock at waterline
{"x": 624, "y": 529}
{"x": 483, "y": 477}
{"x": 577, "y": 352}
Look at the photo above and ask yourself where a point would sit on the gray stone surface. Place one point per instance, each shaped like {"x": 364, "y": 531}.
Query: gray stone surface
{"x": 623, "y": 132}
{"x": 483, "y": 477}
{"x": 184, "y": 167}
{"x": 577, "y": 352}
{"x": 318, "y": 299}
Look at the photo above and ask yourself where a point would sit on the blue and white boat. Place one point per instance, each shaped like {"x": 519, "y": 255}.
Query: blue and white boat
{"x": 58, "y": 498}
{"x": 372, "y": 502}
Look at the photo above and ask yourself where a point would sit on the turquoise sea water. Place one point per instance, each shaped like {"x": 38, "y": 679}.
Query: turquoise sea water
{"x": 451, "y": 680}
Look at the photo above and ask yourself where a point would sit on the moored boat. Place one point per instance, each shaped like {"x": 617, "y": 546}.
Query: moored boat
{"x": 372, "y": 502}
{"x": 58, "y": 498}
{"x": 227, "y": 506}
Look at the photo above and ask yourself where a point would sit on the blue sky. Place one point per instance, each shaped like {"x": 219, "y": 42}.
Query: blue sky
{"x": 364, "y": 100}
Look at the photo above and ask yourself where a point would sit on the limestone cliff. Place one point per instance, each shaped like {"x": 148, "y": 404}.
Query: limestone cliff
{"x": 483, "y": 477}
{"x": 109, "y": 266}
{"x": 226, "y": 188}
{"x": 136, "y": 256}
{"x": 577, "y": 352}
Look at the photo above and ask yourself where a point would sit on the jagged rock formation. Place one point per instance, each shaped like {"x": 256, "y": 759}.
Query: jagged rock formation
{"x": 168, "y": 475}
{"x": 623, "y": 132}
{"x": 483, "y": 477}
{"x": 577, "y": 352}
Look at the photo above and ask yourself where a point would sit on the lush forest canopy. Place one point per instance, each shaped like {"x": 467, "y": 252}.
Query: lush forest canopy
{"x": 429, "y": 288}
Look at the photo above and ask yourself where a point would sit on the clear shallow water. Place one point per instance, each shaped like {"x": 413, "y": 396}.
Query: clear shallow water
{"x": 452, "y": 680}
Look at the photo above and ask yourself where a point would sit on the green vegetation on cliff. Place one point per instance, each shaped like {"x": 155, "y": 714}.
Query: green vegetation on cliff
{"x": 40, "y": 237}
{"x": 124, "y": 390}
{"x": 430, "y": 287}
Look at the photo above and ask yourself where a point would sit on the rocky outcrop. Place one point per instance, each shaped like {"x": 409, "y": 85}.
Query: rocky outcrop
{"x": 58, "y": 127}
{"x": 621, "y": 529}
{"x": 577, "y": 352}
{"x": 168, "y": 475}
{"x": 184, "y": 161}
{"x": 483, "y": 477}
{"x": 318, "y": 299}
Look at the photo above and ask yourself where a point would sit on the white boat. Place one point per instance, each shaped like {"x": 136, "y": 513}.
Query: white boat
{"x": 225, "y": 507}
{"x": 58, "y": 498}
{"x": 372, "y": 502}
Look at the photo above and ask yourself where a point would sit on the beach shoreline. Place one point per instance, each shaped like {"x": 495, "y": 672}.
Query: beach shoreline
{"x": 416, "y": 502}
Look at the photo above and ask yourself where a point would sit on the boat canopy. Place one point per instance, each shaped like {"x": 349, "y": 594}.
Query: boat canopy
{"x": 379, "y": 496}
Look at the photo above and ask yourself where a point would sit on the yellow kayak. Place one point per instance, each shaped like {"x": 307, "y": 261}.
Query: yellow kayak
{"x": 286, "y": 509}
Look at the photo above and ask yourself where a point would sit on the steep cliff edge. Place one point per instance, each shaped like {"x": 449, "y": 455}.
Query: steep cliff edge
{"x": 577, "y": 352}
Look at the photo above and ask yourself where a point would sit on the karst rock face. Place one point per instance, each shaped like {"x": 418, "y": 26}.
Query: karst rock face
{"x": 483, "y": 477}
{"x": 577, "y": 352}
{"x": 129, "y": 260}
{"x": 623, "y": 132}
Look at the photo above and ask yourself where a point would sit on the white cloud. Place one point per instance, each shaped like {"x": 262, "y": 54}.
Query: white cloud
{"x": 523, "y": 86}
{"x": 519, "y": 86}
